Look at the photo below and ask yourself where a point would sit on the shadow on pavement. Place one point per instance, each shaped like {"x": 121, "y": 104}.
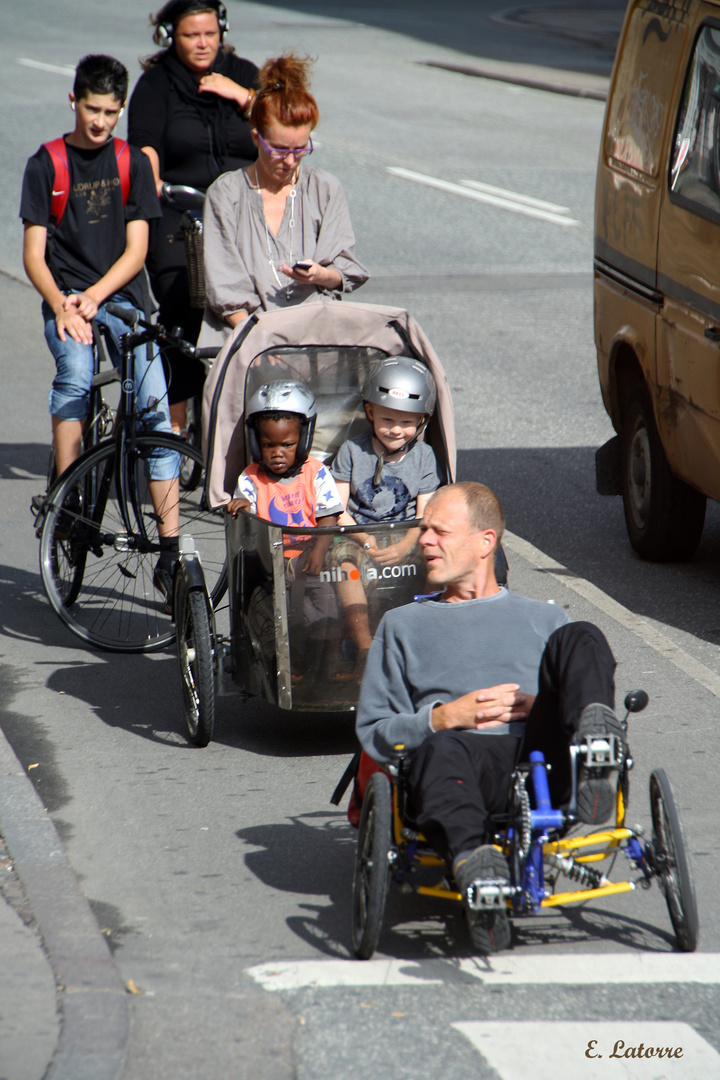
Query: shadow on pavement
{"x": 312, "y": 854}
{"x": 578, "y": 36}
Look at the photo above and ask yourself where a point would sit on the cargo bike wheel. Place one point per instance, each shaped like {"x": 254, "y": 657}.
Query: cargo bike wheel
{"x": 195, "y": 660}
{"x": 97, "y": 574}
{"x": 670, "y": 861}
{"x": 371, "y": 878}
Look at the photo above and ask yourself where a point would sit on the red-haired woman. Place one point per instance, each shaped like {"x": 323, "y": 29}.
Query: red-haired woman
{"x": 278, "y": 232}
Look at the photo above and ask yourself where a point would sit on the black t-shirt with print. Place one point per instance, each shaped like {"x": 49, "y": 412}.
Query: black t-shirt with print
{"x": 91, "y": 235}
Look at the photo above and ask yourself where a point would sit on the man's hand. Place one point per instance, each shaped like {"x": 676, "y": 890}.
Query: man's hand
{"x": 484, "y": 708}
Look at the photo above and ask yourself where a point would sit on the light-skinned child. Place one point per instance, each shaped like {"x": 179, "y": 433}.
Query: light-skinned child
{"x": 385, "y": 475}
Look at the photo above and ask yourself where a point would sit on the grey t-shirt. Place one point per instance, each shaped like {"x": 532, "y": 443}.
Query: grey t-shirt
{"x": 431, "y": 652}
{"x": 395, "y": 499}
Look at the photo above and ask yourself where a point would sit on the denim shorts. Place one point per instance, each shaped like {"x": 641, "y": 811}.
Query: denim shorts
{"x": 69, "y": 397}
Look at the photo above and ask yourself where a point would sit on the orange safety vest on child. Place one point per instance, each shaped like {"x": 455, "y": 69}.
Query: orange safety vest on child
{"x": 289, "y": 502}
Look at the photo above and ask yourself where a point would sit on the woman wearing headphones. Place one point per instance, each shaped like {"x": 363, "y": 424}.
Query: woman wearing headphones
{"x": 278, "y": 232}
{"x": 187, "y": 112}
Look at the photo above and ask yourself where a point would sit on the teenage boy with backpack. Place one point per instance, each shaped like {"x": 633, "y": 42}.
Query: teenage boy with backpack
{"x": 86, "y": 202}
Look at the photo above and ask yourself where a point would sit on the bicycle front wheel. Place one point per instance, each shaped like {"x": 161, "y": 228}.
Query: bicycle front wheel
{"x": 97, "y": 575}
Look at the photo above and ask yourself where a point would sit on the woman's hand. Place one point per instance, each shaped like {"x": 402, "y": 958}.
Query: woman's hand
{"x": 322, "y": 277}
{"x": 215, "y": 83}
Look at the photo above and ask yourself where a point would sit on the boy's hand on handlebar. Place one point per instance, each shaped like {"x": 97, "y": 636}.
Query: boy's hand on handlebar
{"x": 236, "y": 505}
{"x": 484, "y": 708}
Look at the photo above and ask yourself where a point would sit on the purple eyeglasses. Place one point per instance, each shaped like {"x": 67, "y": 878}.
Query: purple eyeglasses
{"x": 280, "y": 152}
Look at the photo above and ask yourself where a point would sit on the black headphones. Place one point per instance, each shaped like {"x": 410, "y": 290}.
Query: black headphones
{"x": 174, "y": 11}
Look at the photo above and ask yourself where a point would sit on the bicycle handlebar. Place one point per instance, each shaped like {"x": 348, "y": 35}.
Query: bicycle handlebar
{"x": 182, "y": 197}
{"x": 156, "y": 332}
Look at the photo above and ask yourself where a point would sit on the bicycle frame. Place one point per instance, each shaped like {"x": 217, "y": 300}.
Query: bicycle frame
{"x": 569, "y": 856}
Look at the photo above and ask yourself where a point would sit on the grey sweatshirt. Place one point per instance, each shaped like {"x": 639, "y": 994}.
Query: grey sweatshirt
{"x": 431, "y": 652}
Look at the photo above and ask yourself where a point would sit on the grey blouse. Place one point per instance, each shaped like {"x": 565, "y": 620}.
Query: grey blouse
{"x": 238, "y": 246}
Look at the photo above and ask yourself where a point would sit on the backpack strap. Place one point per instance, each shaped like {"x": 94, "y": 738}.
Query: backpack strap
{"x": 122, "y": 157}
{"x": 57, "y": 150}
{"x": 61, "y": 181}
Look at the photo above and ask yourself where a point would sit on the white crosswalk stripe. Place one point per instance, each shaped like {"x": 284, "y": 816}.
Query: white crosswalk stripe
{"x": 499, "y": 970}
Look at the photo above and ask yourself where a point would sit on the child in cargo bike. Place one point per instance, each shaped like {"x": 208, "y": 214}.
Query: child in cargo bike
{"x": 387, "y": 474}
{"x": 283, "y": 484}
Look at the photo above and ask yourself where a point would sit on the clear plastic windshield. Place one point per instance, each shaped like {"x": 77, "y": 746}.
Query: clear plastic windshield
{"x": 301, "y": 637}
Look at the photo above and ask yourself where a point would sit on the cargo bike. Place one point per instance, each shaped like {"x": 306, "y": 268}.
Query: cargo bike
{"x": 289, "y": 640}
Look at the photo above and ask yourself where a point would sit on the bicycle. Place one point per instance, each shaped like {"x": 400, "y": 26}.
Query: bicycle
{"x": 99, "y": 527}
{"x": 189, "y": 202}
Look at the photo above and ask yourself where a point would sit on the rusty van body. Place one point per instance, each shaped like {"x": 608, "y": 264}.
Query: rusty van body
{"x": 657, "y": 274}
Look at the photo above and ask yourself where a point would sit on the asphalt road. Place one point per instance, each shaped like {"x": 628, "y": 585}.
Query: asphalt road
{"x": 204, "y": 867}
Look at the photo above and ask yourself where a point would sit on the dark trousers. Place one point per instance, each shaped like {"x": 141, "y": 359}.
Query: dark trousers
{"x": 459, "y": 778}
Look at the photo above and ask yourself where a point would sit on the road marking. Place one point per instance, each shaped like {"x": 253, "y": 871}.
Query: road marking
{"x": 500, "y": 970}
{"x": 528, "y": 200}
{"x": 647, "y": 633}
{"x": 57, "y": 69}
{"x": 558, "y": 1050}
{"x": 506, "y": 201}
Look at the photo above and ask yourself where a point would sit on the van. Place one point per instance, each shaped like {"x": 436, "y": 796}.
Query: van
{"x": 657, "y": 274}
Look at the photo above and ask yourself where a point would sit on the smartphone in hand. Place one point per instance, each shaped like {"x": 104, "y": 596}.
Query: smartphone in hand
{"x": 303, "y": 264}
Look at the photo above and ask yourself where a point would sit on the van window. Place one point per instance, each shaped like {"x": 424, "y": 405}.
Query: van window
{"x": 695, "y": 162}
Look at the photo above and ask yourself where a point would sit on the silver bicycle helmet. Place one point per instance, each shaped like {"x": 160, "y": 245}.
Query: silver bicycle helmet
{"x": 290, "y": 398}
{"x": 404, "y": 384}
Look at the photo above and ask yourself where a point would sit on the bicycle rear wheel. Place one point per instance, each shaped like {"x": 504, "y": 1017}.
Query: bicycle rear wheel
{"x": 98, "y": 576}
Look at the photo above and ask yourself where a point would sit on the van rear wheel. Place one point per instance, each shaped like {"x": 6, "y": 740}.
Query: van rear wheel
{"x": 664, "y": 516}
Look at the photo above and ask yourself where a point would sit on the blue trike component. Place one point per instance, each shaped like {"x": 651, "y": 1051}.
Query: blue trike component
{"x": 543, "y": 817}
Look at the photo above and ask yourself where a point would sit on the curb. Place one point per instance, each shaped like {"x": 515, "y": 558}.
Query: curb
{"x": 95, "y": 1018}
{"x": 535, "y": 77}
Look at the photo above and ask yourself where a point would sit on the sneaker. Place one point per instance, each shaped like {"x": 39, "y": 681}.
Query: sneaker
{"x": 602, "y": 737}
{"x": 480, "y": 878}
{"x": 163, "y": 582}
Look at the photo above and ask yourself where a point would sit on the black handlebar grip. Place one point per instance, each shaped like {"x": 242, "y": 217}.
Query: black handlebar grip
{"x": 128, "y": 315}
{"x": 208, "y": 353}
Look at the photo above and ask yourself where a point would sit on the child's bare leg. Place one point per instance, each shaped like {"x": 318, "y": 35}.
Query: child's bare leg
{"x": 355, "y": 608}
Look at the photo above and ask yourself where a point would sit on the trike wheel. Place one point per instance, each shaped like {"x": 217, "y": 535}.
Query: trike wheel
{"x": 195, "y": 661}
{"x": 664, "y": 516}
{"x": 671, "y": 861}
{"x": 372, "y": 866}
{"x": 99, "y": 579}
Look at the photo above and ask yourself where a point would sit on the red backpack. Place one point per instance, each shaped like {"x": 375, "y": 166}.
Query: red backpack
{"x": 61, "y": 183}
